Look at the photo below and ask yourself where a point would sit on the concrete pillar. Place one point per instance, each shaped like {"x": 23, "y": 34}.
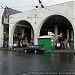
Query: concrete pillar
{"x": 32, "y": 33}
{"x": 67, "y": 33}
{"x": 36, "y": 35}
{"x": 72, "y": 36}
{"x": 11, "y": 31}
{"x": 22, "y": 33}
{"x": 10, "y": 37}
{"x": 35, "y": 40}
{"x": 74, "y": 40}
{"x": 1, "y": 33}
{"x": 56, "y": 30}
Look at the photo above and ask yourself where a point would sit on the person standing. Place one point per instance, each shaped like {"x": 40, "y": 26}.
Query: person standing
{"x": 60, "y": 38}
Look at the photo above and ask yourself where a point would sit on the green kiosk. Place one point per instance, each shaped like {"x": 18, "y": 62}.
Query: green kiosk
{"x": 47, "y": 42}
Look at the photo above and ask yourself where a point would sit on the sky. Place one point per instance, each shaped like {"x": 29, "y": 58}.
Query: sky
{"x": 25, "y": 5}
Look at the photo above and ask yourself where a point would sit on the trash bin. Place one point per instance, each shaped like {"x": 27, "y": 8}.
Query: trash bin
{"x": 47, "y": 42}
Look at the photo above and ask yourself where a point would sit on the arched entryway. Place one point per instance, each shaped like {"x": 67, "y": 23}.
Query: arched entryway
{"x": 22, "y": 33}
{"x": 58, "y": 24}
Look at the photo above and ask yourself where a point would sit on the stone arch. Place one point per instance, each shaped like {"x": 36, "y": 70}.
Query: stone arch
{"x": 43, "y": 21}
{"x": 15, "y": 24}
{"x": 51, "y": 16}
{"x": 12, "y": 29}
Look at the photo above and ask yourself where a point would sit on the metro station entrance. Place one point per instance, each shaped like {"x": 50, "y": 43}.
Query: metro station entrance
{"x": 23, "y": 33}
{"x": 58, "y": 24}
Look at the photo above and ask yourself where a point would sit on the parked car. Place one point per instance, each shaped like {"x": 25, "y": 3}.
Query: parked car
{"x": 34, "y": 49}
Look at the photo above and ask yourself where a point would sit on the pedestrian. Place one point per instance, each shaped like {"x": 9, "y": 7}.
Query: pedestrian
{"x": 21, "y": 44}
{"x": 15, "y": 45}
{"x": 58, "y": 45}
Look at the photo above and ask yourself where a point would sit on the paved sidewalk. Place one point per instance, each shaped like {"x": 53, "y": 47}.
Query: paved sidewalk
{"x": 50, "y": 51}
{"x": 11, "y": 49}
{"x": 61, "y": 51}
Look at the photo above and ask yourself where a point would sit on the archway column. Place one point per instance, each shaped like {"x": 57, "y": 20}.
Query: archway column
{"x": 67, "y": 33}
{"x": 56, "y": 31}
{"x": 1, "y": 34}
{"x": 32, "y": 33}
{"x": 72, "y": 35}
{"x": 10, "y": 38}
{"x": 74, "y": 39}
{"x": 36, "y": 35}
{"x": 11, "y": 34}
{"x": 22, "y": 33}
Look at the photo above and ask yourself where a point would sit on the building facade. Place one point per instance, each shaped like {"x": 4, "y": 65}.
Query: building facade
{"x": 59, "y": 18}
